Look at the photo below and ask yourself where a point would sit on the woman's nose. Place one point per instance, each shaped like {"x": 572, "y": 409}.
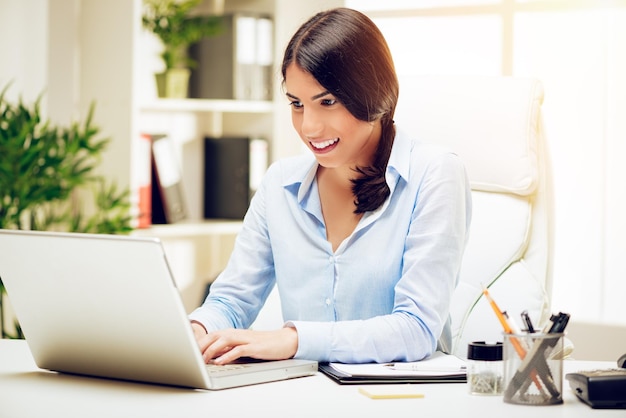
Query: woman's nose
{"x": 312, "y": 125}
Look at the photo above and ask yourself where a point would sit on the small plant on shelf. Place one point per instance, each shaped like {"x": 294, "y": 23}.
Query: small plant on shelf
{"x": 178, "y": 27}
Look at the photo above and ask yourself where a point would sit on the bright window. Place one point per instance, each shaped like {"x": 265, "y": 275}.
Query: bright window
{"x": 577, "y": 50}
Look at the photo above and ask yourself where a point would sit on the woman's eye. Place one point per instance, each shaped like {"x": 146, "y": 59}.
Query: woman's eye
{"x": 328, "y": 102}
{"x": 295, "y": 104}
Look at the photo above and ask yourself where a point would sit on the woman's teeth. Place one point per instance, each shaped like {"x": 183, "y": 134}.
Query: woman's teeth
{"x": 324, "y": 144}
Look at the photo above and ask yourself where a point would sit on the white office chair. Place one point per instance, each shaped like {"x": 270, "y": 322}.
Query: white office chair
{"x": 494, "y": 125}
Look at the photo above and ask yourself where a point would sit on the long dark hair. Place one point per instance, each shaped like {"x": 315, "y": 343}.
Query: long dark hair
{"x": 347, "y": 54}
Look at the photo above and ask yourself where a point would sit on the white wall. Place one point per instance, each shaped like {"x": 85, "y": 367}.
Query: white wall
{"x": 24, "y": 48}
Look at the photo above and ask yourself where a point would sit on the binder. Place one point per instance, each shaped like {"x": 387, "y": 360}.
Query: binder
{"x": 237, "y": 62}
{"x": 262, "y": 83}
{"x": 168, "y": 203}
{"x": 143, "y": 181}
{"x": 226, "y": 177}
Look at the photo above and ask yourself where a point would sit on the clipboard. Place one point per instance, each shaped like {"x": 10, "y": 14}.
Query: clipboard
{"x": 438, "y": 368}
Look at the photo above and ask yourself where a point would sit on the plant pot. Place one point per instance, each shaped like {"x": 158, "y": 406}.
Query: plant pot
{"x": 173, "y": 83}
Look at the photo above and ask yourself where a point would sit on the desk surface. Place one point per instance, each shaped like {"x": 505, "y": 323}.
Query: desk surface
{"x": 27, "y": 391}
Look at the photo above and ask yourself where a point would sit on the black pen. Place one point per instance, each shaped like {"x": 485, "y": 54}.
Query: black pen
{"x": 528, "y": 322}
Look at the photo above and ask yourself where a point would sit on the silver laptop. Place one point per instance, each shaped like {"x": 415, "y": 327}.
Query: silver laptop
{"x": 108, "y": 306}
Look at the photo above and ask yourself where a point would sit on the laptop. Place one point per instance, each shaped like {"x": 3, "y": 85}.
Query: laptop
{"x": 107, "y": 306}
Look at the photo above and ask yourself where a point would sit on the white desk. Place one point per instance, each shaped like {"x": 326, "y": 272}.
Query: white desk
{"x": 26, "y": 391}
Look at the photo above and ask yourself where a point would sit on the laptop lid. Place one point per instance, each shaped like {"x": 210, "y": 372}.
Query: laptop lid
{"x": 107, "y": 306}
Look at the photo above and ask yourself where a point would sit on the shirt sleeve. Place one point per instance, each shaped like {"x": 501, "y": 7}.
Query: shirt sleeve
{"x": 241, "y": 289}
{"x": 434, "y": 248}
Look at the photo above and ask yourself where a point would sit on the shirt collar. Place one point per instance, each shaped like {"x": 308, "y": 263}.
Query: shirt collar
{"x": 302, "y": 172}
{"x": 300, "y": 175}
{"x": 400, "y": 158}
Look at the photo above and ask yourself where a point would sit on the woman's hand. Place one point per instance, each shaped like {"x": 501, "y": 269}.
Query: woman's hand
{"x": 225, "y": 346}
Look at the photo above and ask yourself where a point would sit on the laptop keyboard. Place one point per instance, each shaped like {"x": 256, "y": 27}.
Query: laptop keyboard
{"x": 215, "y": 368}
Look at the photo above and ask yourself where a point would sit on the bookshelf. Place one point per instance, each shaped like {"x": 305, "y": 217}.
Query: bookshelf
{"x": 187, "y": 121}
{"x": 208, "y": 106}
{"x": 116, "y": 64}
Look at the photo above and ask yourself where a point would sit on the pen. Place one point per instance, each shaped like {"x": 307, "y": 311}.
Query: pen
{"x": 414, "y": 367}
{"x": 559, "y": 322}
{"x": 529, "y": 324}
{"x": 516, "y": 330}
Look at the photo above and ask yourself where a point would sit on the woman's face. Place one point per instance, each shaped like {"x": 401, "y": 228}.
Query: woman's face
{"x": 328, "y": 129}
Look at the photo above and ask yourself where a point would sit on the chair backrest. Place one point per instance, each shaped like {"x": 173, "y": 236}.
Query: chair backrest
{"x": 494, "y": 124}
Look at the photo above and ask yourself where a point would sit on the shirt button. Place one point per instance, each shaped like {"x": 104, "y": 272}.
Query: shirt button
{"x": 327, "y": 301}
{"x": 331, "y": 259}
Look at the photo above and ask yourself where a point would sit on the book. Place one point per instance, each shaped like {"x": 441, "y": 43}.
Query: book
{"x": 168, "y": 200}
{"x": 142, "y": 181}
{"x": 259, "y": 160}
{"x": 438, "y": 368}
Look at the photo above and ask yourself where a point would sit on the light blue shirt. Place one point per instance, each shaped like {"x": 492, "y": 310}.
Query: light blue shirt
{"x": 384, "y": 294}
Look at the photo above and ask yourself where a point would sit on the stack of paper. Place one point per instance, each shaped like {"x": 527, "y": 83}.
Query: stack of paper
{"x": 439, "y": 367}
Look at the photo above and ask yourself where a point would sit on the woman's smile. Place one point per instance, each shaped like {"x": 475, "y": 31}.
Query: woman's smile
{"x": 324, "y": 146}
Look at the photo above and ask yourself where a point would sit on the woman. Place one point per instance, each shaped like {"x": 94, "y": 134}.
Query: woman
{"x": 363, "y": 236}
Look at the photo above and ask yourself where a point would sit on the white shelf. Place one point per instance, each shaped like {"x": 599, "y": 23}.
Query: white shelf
{"x": 192, "y": 229}
{"x": 209, "y": 105}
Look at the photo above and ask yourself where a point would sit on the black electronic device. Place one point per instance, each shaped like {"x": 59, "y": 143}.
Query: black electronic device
{"x": 621, "y": 362}
{"x": 601, "y": 388}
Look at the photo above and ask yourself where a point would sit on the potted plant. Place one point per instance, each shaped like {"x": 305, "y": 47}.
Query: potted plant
{"x": 47, "y": 176}
{"x": 176, "y": 25}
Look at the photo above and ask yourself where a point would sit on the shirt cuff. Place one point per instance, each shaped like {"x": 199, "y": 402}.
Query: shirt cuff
{"x": 314, "y": 339}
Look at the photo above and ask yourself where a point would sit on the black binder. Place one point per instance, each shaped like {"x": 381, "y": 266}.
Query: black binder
{"x": 237, "y": 62}
{"x": 226, "y": 177}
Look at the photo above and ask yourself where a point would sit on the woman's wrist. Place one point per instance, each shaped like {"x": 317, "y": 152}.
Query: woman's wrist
{"x": 198, "y": 328}
{"x": 291, "y": 334}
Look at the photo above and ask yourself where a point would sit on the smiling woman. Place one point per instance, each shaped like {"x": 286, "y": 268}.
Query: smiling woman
{"x": 318, "y": 223}
{"x": 342, "y": 144}
{"x": 355, "y": 67}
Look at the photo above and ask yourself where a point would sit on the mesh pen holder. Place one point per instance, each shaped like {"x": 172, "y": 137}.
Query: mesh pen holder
{"x": 533, "y": 368}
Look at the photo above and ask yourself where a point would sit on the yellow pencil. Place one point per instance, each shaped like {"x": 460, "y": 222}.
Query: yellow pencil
{"x": 507, "y": 329}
